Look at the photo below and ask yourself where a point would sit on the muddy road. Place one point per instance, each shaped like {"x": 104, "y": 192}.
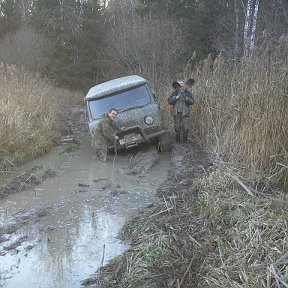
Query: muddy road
{"x": 60, "y": 231}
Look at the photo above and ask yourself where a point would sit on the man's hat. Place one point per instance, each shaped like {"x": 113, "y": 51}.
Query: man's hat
{"x": 176, "y": 85}
{"x": 190, "y": 82}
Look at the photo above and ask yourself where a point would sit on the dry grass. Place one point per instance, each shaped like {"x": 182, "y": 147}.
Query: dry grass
{"x": 224, "y": 239}
{"x": 249, "y": 235}
{"x": 242, "y": 112}
{"x": 230, "y": 228}
{"x": 28, "y": 118}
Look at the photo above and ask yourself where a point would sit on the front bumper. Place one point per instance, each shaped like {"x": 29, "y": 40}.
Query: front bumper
{"x": 132, "y": 136}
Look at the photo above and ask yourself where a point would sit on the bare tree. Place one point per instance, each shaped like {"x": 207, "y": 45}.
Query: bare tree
{"x": 143, "y": 46}
{"x": 243, "y": 24}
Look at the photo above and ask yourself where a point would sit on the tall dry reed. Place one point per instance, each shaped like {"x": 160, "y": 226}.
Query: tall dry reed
{"x": 28, "y": 114}
{"x": 242, "y": 109}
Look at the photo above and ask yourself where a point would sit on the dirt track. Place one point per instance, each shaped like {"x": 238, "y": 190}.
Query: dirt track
{"x": 142, "y": 166}
{"x": 72, "y": 198}
{"x": 171, "y": 220}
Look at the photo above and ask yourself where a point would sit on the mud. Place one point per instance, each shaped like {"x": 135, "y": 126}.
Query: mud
{"x": 72, "y": 124}
{"x": 171, "y": 218}
{"x": 25, "y": 181}
{"x": 73, "y": 121}
{"x": 143, "y": 161}
{"x": 63, "y": 222}
{"x": 188, "y": 162}
{"x": 22, "y": 218}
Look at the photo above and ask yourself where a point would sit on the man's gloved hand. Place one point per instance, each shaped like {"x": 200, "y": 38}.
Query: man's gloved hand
{"x": 177, "y": 97}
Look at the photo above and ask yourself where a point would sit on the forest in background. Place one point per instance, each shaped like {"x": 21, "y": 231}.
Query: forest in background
{"x": 79, "y": 43}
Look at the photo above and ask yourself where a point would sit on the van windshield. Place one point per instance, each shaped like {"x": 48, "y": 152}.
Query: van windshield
{"x": 122, "y": 101}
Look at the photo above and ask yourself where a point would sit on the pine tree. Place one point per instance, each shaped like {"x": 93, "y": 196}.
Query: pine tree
{"x": 195, "y": 18}
{"x": 75, "y": 31}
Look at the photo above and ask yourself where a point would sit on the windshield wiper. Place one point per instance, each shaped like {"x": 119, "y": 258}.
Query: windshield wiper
{"x": 131, "y": 108}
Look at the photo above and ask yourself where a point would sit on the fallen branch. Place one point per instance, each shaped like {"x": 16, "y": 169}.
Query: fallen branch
{"x": 242, "y": 185}
{"x": 194, "y": 240}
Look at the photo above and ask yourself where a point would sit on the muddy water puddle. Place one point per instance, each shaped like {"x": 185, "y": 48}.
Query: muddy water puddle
{"x": 61, "y": 231}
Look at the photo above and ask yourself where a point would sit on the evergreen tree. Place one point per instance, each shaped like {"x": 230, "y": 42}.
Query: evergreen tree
{"x": 75, "y": 31}
{"x": 196, "y": 19}
{"x": 10, "y": 16}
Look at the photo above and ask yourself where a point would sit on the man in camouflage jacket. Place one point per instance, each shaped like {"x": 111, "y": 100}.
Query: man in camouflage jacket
{"x": 181, "y": 99}
{"x": 104, "y": 134}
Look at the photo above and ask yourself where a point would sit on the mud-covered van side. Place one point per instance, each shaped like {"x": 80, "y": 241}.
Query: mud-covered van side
{"x": 138, "y": 111}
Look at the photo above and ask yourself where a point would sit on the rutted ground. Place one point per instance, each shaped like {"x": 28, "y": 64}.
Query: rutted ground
{"x": 164, "y": 207}
{"x": 62, "y": 227}
{"x": 165, "y": 235}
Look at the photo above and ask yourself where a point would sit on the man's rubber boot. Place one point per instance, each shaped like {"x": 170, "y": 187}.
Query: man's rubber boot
{"x": 185, "y": 136}
{"x": 178, "y": 137}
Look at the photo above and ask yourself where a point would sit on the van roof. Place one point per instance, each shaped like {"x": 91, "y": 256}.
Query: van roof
{"x": 114, "y": 85}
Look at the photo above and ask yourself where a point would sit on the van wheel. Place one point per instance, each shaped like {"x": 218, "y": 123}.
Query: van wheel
{"x": 164, "y": 144}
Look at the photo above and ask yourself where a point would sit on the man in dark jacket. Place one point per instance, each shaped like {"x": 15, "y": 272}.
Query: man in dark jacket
{"x": 104, "y": 134}
{"x": 181, "y": 99}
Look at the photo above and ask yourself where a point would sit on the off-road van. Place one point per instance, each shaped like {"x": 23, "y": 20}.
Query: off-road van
{"x": 138, "y": 111}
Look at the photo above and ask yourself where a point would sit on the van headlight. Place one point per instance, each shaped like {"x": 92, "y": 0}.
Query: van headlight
{"x": 148, "y": 120}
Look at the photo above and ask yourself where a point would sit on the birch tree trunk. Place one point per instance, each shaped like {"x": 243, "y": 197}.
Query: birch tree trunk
{"x": 250, "y": 25}
{"x": 24, "y": 13}
{"x": 247, "y": 28}
{"x": 253, "y": 28}
{"x": 236, "y": 48}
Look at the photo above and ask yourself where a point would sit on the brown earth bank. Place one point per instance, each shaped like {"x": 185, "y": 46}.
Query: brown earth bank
{"x": 163, "y": 237}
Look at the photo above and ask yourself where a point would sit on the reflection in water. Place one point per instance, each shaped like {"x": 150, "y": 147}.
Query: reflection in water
{"x": 66, "y": 256}
{"x": 66, "y": 245}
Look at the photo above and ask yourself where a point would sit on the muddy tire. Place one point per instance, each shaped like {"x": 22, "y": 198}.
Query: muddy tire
{"x": 164, "y": 144}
